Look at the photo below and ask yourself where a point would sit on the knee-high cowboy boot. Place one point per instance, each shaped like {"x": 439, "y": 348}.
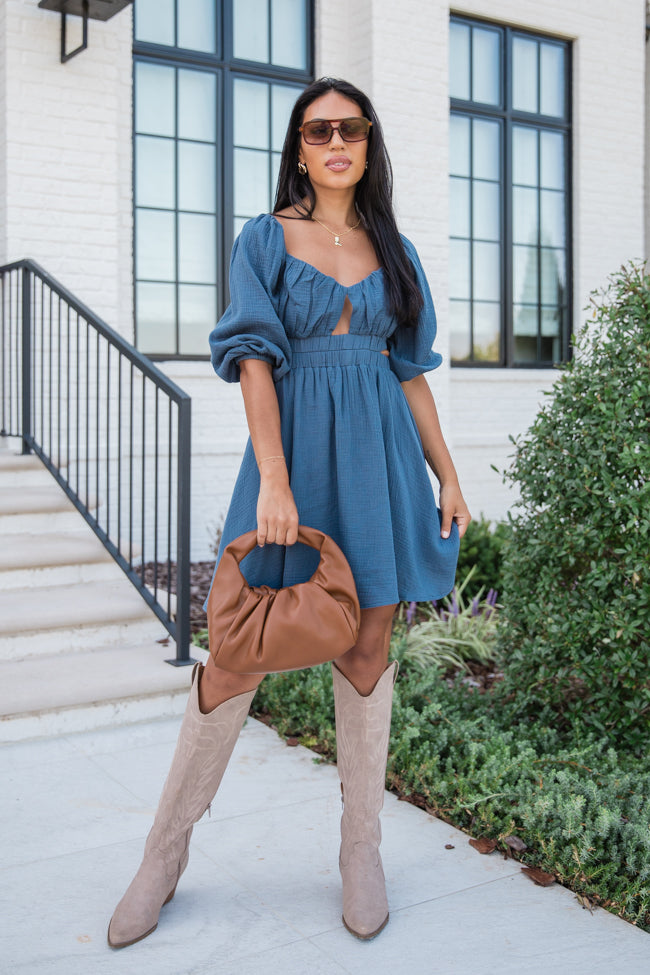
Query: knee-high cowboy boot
{"x": 205, "y": 744}
{"x": 362, "y": 732}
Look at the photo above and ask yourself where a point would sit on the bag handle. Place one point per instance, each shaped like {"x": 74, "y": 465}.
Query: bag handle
{"x": 240, "y": 547}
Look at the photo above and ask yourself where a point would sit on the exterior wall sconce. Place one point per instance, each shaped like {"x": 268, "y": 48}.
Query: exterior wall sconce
{"x": 88, "y": 10}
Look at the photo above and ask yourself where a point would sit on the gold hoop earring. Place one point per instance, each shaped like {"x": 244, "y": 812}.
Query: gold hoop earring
{"x": 302, "y": 169}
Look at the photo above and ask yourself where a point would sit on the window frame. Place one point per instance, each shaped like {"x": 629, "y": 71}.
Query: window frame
{"x": 226, "y": 68}
{"x": 508, "y": 117}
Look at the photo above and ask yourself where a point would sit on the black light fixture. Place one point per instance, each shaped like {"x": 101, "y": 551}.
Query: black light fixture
{"x": 89, "y": 10}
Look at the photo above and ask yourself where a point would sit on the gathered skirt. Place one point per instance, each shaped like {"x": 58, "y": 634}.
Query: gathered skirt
{"x": 357, "y": 472}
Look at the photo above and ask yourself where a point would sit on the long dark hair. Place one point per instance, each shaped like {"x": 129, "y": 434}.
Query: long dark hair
{"x": 373, "y": 197}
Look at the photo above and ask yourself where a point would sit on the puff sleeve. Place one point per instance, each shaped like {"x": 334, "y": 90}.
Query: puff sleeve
{"x": 410, "y": 352}
{"x": 250, "y": 327}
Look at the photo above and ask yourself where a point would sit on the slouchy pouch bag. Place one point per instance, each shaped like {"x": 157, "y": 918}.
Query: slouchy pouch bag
{"x": 259, "y": 630}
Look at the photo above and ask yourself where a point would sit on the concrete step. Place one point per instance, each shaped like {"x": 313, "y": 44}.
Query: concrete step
{"x": 54, "y": 559}
{"x": 91, "y": 689}
{"x": 54, "y": 620}
{"x": 43, "y": 499}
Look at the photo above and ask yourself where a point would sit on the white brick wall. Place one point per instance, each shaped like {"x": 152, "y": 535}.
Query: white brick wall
{"x": 66, "y": 131}
{"x": 65, "y": 188}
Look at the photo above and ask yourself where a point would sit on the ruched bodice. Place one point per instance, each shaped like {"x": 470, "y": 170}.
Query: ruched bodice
{"x": 353, "y": 451}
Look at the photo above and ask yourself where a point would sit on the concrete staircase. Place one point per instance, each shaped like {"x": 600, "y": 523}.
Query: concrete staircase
{"x": 79, "y": 648}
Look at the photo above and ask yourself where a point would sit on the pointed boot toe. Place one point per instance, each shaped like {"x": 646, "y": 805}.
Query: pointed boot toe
{"x": 365, "y": 906}
{"x": 136, "y": 915}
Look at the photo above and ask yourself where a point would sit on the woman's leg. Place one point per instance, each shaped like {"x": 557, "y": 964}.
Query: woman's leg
{"x": 363, "y": 693}
{"x": 216, "y": 710}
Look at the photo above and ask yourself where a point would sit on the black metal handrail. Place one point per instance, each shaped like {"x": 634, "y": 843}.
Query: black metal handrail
{"x": 111, "y": 428}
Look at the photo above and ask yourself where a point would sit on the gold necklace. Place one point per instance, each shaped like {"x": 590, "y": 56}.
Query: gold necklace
{"x": 337, "y": 237}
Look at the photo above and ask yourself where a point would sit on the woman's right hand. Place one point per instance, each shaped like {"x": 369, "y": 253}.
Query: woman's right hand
{"x": 277, "y": 515}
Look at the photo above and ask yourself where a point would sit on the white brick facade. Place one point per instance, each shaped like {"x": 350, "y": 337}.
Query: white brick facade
{"x": 66, "y": 188}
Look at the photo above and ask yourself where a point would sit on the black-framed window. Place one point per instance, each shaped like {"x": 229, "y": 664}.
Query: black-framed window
{"x": 510, "y": 196}
{"x": 214, "y": 82}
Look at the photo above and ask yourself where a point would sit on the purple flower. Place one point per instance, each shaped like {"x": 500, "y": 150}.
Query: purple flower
{"x": 475, "y": 608}
{"x": 410, "y": 613}
{"x": 454, "y": 603}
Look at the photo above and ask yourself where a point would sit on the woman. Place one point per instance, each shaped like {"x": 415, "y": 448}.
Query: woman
{"x": 329, "y": 331}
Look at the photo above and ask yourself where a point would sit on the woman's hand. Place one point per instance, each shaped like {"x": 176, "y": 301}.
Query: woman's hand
{"x": 277, "y": 515}
{"x": 453, "y": 508}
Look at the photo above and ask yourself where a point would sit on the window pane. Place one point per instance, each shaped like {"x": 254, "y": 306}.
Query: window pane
{"x": 251, "y": 30}
{"x": 197, "y": 101}
{"x": 524, "y": 75}
{"x": 459, "y": 269}
{"x": 524, "y": 216}
{"x": 197, "y": 173}
{"x": 459, "y": 60}
{"x": 524, "y": 155}
{"x": 197, "y": 248}
{"x": 486, "y": 222}
{"x": 154, "y": 21}
{"x": 282, "y": 101}
{"x": 460, "y": 329}
{"x": 525, "y": 284}
{"x": 553, "y": 276}
{"x": 487, "y": 330}
{"x": 552, "y": 160}
{"x": 552, "y": 79}
{"x": 156, "y": 317}
{"x": 251, "y": 182}
{"x": 485, "y": 150}
{"x": 238, "y": 223}
{"x": 154, "y": 99}
{"x": 552, "y": 218}
{"x": 525, "y": 334}
{"x": 459, "y": 145}
{"x": 251, "y": 114}
{"x": 154, "y": 172}
{"x": 550, "y": 322}
{"x": 486, "y": 272}
{"x": 197, "y": 312}
{"x": 289, "y": 33}
{"x": 196, "y": 24}
{"x": 459, "y": 207}
{"x": 525, "y": 320}
{"x": 486, "y": 62}
{"x": 154, "y": 245}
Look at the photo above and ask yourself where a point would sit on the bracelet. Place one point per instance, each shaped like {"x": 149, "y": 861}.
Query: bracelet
{"x": 276, "y": 457}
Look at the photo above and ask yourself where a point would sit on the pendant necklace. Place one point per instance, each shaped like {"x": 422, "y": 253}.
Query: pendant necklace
{"x": 337, "y": 237}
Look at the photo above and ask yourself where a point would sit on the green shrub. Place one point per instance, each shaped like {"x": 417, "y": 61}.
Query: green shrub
{"x": 574, "y": 633}
{"x": 481, "y": 549}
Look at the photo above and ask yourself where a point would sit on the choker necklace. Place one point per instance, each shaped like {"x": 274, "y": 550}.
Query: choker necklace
{"x": 337, "y": 237}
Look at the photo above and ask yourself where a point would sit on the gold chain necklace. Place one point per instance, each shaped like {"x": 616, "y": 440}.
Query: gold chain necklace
{"x": 337, "y": 237}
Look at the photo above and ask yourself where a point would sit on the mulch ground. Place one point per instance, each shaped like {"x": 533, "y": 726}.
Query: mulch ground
{"x": 200, "y": 579}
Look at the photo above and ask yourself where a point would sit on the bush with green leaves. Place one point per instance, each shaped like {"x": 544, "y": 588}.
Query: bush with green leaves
{"x": 575, "y": 629}
{"x": 482, "y": 550}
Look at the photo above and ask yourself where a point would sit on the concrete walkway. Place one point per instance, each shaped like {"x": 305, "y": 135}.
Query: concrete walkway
{"x": 261, "y": 892}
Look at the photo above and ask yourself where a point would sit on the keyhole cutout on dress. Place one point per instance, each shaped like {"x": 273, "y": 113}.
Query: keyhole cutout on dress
{"x": 343, "y": 324}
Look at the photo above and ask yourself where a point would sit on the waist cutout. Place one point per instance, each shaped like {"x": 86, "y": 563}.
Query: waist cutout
{"x": 338, "y": 350}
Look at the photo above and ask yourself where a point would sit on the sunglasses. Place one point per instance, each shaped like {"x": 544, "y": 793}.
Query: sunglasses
{"x": 319, "y": 131}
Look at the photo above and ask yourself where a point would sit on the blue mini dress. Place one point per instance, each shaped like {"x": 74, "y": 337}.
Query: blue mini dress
{"x": 354, "y": 455}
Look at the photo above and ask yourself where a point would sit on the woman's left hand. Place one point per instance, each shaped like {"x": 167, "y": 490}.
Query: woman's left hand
{"x": 453, "y": 508}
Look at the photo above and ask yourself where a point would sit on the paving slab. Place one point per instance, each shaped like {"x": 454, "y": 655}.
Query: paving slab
{"x": 262, "y": 891}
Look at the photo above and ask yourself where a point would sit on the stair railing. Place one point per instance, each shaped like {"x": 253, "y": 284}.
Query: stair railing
{"x": 111, "y": 428}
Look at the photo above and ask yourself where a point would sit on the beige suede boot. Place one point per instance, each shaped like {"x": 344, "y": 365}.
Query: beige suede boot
{"x": 362, "y": 732}
{"x": 205, "y": 744}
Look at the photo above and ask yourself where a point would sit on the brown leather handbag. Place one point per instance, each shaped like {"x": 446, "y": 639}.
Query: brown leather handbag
{"x": 259, "y": 630}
